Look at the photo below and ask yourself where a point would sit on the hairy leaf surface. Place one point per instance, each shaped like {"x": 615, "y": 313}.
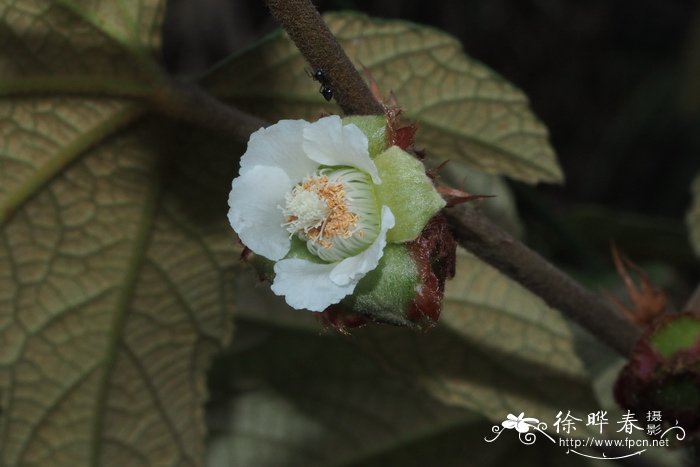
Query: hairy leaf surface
{"x": 497, "y": 349}
{"x": 466, "y": 112}
{"x": 293, "y": 395}
{"x": 113, "y": 245}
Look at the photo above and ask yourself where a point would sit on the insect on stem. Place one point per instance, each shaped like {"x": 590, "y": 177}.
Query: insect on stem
{"x": 320, "y": 76}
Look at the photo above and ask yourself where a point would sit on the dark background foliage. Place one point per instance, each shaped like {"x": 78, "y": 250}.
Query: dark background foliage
{"x": 616, "y": 82}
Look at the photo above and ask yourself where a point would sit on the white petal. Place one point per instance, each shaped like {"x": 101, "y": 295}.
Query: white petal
{"x": 328, "y": 142}
{"x": 280, "y": 145}
{"x": 351, "y": 270}
{"x": 308, "y": 285}
{"x": 509, "y": 424}
{"x": 254, "y": 214}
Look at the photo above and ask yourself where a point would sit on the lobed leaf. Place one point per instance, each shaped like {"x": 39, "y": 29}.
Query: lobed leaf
{"x": 113, "y": 248}
{"x": 466, "y": 112}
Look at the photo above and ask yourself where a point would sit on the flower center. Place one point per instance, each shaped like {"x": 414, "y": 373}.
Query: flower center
{"x": 335, "y": 211}
{"x": 318, "y": 209}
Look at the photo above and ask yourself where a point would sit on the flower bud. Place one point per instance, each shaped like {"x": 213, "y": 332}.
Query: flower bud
{"x": 663, "y": 373}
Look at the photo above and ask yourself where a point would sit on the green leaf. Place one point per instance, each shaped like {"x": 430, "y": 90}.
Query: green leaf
{"x": 320, "y": 404}
{"x": 113, "y": 246}
{"x": 497, "y": 348}
{"x": 693, "y": 217}
{"x": 465, "y": 111}
{"x": 79, "y": 47}
{"x": 289, "y": 395}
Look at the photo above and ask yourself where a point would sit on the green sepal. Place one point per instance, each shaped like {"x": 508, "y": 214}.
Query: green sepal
{"x": 408, "y": 192}
{"x": 374, "y": 127}
{"x": 386, "y": 292}
{"x": 663, "y": 372}
{"x": 676, "y": 335}
{"x": 299, "y": 250}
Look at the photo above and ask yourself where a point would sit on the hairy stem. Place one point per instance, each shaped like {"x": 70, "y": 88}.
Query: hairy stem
{"x": 496, "y": 247}
{"x": 185, "y": 101}
{"x": 317, "y": 44}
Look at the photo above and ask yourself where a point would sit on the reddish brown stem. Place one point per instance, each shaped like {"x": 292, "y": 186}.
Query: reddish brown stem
{"x": 317, "y": 44}
{"x": 496, "y": 247}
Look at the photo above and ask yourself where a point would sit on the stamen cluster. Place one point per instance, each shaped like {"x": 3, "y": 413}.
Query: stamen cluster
{"x": 318, "y": 210}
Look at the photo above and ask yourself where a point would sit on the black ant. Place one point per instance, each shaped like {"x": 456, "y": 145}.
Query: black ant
{"x": 320, "y": 76}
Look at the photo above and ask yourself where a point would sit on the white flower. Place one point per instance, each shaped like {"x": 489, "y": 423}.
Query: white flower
{"x": 314, "y": 181}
